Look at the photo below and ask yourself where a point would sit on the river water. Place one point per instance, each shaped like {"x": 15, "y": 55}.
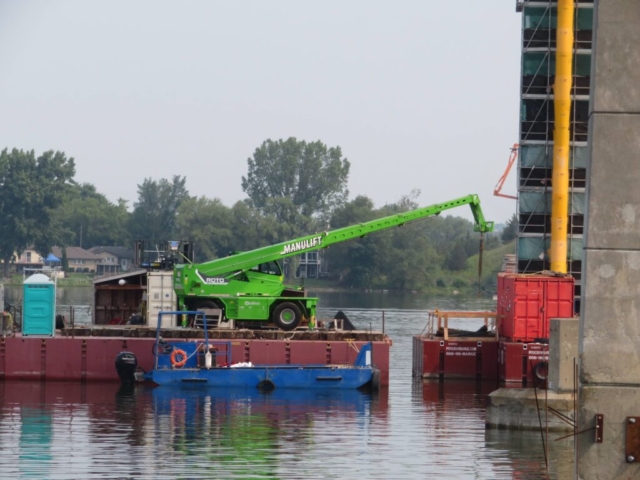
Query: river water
{"x": 413, "y": 429}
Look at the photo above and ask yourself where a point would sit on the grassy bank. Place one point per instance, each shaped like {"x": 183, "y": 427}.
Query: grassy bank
{"x": 445, "y": 282}
{"x": 491, "y": 265}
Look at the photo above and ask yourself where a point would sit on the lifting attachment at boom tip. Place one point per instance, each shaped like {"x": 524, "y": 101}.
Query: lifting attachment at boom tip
{"x": 497, "y": 191}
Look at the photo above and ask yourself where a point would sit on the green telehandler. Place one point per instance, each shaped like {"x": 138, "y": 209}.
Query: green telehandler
{"x": 249, "y": 286}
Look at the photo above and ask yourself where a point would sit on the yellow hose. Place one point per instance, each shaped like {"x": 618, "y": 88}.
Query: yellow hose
{"x": 562, "y": 104}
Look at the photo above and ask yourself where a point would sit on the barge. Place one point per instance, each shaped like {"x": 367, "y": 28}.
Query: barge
{"x": 513, "y": 344}
{"x": 87, "y": 353}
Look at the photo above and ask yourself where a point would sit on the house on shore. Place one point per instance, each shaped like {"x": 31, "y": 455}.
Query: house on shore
{"x": 28, "y": 259}
{"x": 114, "y": 259}
{"x": 79, "y": 259}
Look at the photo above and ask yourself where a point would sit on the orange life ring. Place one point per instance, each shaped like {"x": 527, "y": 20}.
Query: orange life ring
{"x": 174, "y": 360}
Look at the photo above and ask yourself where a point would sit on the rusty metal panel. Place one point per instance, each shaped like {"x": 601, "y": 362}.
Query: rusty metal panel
{"x": 3, "y": 356}
{"x": 517, "y": 361}
{"x": 100, "y": 358}
{"x": 23, "y": 358}
{"x": 345, "y": 352}
{"x": 460, "y": 359}
{"x": 431, "y": 357}
{"x": 510, "y": 363}
{"x": 488, "y": 359}
{"x": 266, "y": 352}
{"x": 632, "y": 450}
{"x": 306, "y": 353}
{"x": 342, "y": 353}
{"x": 63, "y": 359}
{"x": 380, "y": 360}
{"x": 417, "y": 355}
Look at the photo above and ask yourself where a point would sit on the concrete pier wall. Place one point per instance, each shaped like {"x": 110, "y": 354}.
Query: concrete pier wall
{"x": 563, "y": 351}
{"x": 517, "y": 409}
{"x": 610, "y": 322}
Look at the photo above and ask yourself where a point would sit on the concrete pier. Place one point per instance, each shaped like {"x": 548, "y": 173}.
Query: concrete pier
{"x": 610, "y": 321}
{"x": 517, "y": 408}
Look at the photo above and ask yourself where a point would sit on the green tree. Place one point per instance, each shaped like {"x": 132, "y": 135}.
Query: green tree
{"x": 353, "y": 262}
{"x": 207, "y": 223}
{"x": 89, "y": 219}
{"x": 252, "y": 229}
{"x": 358, "y": 210}
{"x": 443, "y": 231}
{"x": 64, "y": 260}
{"x": 292, "y": 179}
{"x": 491, "y": 241}
{"x": 408, "y": 260}
{"x": 412, "y": 262}
{"x": 155, "y": 213}
{"x": 510, "y": 230}
{"x": 31, "y": 188}
{"x": 456, "y": 258}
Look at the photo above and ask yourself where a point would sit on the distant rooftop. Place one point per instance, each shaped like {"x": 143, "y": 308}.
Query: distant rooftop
{"x": 120, "y": 252}
{"x": 75, "y": 253}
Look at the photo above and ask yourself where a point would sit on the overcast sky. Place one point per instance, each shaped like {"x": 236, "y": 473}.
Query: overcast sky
{"x": 418, "y": 94}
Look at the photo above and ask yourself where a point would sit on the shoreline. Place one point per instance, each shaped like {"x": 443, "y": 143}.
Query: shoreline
{"x": 320, "y": 286}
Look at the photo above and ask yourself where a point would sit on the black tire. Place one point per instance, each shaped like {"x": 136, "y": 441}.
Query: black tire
{"x": 266, "y": 385}
{"x": 287, "y": 316}
{"x": 541, "y": 371}
{"x": 375, "y": 380}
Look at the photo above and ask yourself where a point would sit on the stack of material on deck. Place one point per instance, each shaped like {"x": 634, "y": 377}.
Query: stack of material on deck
{"x": 509, "y": 264}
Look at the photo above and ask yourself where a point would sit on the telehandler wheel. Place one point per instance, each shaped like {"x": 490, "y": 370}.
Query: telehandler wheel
{"x": 206, "y": 304}
{"x": 287, "y": 316}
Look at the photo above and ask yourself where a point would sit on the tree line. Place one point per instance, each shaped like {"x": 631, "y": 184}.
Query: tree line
{"x": 293, "y": 188}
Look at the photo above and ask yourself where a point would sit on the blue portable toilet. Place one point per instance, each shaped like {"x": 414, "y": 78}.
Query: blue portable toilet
{"x": 39, "y": 306}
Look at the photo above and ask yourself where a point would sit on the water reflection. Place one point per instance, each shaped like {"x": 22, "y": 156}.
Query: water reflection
{"x": 94, "y": 430}
{"x": 412, "y": 430}
{"x": 245, "y": 432}
{"x": 35, "y": 442}
{"x": 454, "y": 412}
{"x": 526, "y": 456}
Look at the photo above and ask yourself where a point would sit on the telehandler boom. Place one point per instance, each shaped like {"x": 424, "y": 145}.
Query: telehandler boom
{"x": 249, "y": 285}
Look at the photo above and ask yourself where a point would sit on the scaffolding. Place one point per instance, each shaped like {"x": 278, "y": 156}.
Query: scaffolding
{"x": 535, "y": 158}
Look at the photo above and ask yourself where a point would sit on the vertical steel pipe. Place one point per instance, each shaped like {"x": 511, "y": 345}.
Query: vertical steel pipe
{"x": 561, "y": 136}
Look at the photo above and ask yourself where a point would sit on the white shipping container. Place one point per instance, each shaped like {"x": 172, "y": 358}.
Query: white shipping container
{"x": 161, "y": 297}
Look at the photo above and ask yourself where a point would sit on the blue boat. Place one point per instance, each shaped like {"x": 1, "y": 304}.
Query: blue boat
{"x": 209, "y": 364}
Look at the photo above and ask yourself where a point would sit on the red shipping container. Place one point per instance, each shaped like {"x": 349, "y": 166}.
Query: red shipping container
{"x": 527, "y": 303}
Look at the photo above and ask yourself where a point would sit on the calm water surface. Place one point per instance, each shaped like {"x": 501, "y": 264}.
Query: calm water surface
{"x": 412, "y": 430}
